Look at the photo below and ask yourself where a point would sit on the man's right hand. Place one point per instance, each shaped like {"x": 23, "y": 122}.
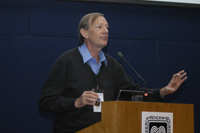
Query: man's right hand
{"x": 87, "y": 98}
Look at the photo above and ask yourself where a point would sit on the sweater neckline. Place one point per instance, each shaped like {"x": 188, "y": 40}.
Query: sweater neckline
{"x": 81, "y": 59}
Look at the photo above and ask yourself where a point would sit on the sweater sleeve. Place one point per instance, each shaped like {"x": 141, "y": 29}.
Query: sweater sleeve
{"x": 52, "y": 99}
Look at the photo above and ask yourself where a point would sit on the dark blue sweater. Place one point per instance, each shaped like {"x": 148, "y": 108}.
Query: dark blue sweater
{"x": 69, "y": 78}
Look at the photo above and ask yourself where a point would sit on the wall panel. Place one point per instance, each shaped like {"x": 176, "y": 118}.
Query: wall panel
{"x": 14, "y": 18}
{"x": 157, "y": 41}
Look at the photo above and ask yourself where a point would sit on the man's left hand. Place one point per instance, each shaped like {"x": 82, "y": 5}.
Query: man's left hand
{"x": 174, "y": 83}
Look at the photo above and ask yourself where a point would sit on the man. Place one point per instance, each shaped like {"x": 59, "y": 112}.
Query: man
{"x": 67, "y": 91}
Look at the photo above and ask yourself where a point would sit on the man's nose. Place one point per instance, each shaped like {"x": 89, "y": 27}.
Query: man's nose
{"x": 106, "y": 30}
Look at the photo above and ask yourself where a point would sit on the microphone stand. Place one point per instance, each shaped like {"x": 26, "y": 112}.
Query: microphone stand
{"x": 145, "y": 96}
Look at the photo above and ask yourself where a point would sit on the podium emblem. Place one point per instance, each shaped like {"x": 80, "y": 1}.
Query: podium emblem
{"x": 157, "y": 122}
{"x": 155, "y": 129}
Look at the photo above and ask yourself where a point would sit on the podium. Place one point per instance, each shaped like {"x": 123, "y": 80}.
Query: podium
{"x": 125, "y": 117}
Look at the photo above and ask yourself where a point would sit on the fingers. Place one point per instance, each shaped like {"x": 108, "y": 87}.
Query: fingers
{"x": 87, "y": 98}
{"x": 90, "y": 97}
{"x": 183, "y": 79}
{"x": 181, "y": 75}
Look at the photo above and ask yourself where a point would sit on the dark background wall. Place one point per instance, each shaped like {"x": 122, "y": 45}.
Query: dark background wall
{"x": 157, "y": 41}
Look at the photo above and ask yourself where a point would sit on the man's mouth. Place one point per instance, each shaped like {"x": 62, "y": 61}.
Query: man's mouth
{"x": 104, "y": 38}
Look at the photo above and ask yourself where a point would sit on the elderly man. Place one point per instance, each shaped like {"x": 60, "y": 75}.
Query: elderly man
{"x": 67, "y": 91}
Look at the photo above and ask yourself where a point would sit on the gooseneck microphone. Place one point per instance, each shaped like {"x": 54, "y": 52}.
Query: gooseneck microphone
{"x": 146, "y": 91}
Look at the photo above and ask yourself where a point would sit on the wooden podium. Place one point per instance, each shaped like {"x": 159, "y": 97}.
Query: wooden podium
{"x": 125, "y": 117}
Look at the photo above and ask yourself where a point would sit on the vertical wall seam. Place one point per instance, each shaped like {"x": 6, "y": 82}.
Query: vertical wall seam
{"x": 29, "y": 4}
{"x": 156, "y": 64}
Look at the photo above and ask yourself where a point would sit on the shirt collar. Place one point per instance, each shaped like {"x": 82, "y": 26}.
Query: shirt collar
{"x": 87, "y": 56}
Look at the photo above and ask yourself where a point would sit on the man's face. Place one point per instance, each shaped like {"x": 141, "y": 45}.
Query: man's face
{"x": 98, "y": 33}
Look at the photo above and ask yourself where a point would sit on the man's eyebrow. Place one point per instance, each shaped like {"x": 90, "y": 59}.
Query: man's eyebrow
{"x": 102, "y": 23}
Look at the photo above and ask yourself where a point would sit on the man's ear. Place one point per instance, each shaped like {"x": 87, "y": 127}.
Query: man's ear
{"x": 84, "y": 33}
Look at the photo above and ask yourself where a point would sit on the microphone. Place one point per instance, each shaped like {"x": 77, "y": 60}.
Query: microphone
{"x": 146, "y": 91}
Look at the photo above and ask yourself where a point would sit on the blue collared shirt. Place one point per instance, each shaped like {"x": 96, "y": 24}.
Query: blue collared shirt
{"x": 92, "y": 62}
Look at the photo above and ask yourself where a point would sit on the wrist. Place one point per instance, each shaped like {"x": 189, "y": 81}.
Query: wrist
{"x": 163, "y": 92}
{"x": 76, "y": 103}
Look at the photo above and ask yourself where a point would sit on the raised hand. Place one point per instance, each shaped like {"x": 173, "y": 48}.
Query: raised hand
{"x": 174, "y": 84}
